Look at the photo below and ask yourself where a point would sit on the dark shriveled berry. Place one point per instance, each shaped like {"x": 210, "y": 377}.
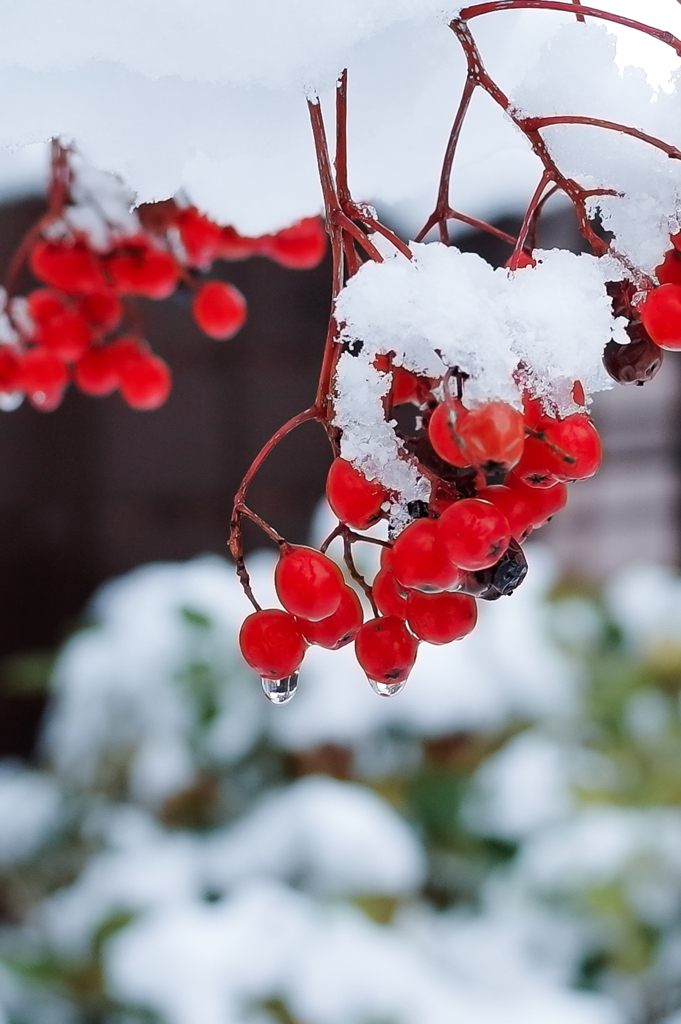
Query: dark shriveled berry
{"x": 636, "y": 362}
{"x": 501, "y": 579}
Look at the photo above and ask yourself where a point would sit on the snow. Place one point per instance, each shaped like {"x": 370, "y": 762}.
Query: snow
{"x": 30, "y": 811}
{"x": 334, "y": 838}
{"x": 210, "y": 964}
{"x": 216, "y": 106}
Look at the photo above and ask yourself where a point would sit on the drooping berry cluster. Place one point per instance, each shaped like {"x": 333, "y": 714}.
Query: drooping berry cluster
{"x": 496, "y": 474}
{"x": 94, "y": 259}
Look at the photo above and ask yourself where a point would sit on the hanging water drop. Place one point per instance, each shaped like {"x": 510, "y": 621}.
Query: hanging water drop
{"x": 384, "y": 689}
{"x": 280, "y": 691}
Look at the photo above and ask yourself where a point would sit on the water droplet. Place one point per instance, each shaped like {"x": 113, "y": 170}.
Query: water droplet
{"x": 280, "y": 691}
{"x": 386, "y": 689}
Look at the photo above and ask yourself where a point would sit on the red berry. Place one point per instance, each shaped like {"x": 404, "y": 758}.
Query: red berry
{"x": 407, "y": 387}
{"x": 537, "y": 465}
{"x": 9, "y": 369}
{"x": 234, "y": 246}
{"x": 419, "y": 560}
{"x": 96, "y": 373}
{"x": 441, "y": 618}
{"x": 512, "y": 505}
{"x": 66, "y": 334}
{"x": 669, "y": 271}
{"x": 145, "y": 382}
{"x": 271, "y": 643}
{"x": 68, "y": 266}
{"x": 200, "y": 236}
{"x": 219, "y": 309}
{"x": 386, "y": 649}
{"x": 389, "y": 597}
{"x": 300, "y": 247}
{"x": 579, "y": 451}
{"x": 661, "y": 315}
{"x": 141, "y": 269}
{"x": 308, "y": 583}
{"x": 474, "y": 534}
{"x": 43, "y": 304}
{"x": 102, "y": 311}
{"x": 126, "y": 349}
{"x": 43, "y": 376}
{"x": 492, "y": 436}
{"x": 443, "y": 433}
{"x": 354, "y": 499}
{"x": 543, "y": 502}
{"x": 339, "y": 629}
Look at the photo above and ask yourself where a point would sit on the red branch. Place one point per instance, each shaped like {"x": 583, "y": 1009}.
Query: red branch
{"x": 531, "y": 124}
{"x": 468, "y": 13}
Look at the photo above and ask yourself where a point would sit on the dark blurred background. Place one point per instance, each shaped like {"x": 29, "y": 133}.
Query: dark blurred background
{"x": 94, "y": 489}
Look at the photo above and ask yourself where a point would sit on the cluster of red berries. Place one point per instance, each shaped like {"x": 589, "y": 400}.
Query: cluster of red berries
{"x": 82, "y": 326}
{"x": 496, "y": 475}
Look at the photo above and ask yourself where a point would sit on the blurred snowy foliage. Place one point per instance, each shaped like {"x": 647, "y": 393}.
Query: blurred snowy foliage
{"x": 501, "y": 841}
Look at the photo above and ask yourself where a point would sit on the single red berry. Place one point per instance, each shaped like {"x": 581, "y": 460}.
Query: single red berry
{"x": 145, "y": 382}
{"x": 408, "y": 387}
{"x": 474, "y": 534}
{"x": 141, "y": 269}
{"x": 201, "y": 237}
{"x": 512, "y": 505}
{"x": 126, "y": 349}
{"x": 308, "y": 583}
{"x": 577, "y": 451}
{"x": 96, "y": 373}
{"x": 69, "y": 266}
{"x": 537, "y": 465}
{"x": 9, "y": 369}
{"x": 533, "y": 410}
{"x": 102, "y": 310}
{"x": 443, "y": 433}
{"x": 669, "y": 271}
{"x": 636, "y": 362}
{"x": 219, "y": 309}
{"x": 66, "y": 334}
{"x": 390, "y": 598}
{"x": 661, "y": 315}
{"x": 578, "y": 394}
{"x": 441, "y": 618}
{"x": 339, "y": 629}
{"x": 44, "y": 304}
{"x": 543, "y": 502}
{"x": 386, "y": 650}
{"x": 271, "y": 643}
{"x": 234, "y": 246}
{"x": 492, "y": 437}
{"x": 354, "y": 499}
{"x": 300, "y": 247}
{"x": 43, "y": 376}
{"x": 419, "y": 560}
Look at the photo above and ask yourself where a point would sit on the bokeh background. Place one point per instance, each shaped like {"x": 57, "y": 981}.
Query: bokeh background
{"x": 500, "y": 842}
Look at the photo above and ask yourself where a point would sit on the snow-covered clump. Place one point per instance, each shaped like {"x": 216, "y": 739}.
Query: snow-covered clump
{"x": 541, "y": 328}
